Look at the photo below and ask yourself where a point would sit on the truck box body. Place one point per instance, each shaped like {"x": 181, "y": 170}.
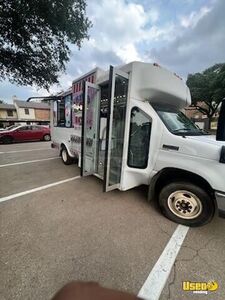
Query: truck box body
{"x": 127, "y": 128}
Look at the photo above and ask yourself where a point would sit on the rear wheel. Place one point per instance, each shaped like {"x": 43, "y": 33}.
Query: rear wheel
{"x": 47, "y": 137}
{"x": 7, "y": 139}
{"x": 67, "y": 160}
{"x": 186, "y": 203}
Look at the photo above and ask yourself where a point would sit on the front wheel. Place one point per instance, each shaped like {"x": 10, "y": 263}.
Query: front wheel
{"x": 186, "y": 203}
{"x": 67, "y": 160}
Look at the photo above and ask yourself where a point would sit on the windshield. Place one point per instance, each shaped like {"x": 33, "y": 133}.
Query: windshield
{"x": 178, "y": 123}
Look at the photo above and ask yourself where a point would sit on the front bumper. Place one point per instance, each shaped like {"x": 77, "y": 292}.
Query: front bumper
{"x": 220, "y": 199}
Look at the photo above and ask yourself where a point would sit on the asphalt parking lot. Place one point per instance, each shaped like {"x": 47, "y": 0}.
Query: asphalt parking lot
{"x": 56, "y": 227}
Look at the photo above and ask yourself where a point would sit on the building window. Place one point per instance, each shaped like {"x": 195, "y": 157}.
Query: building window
{"x": 26, "y": 110}
{"x": 140, "y": 130}
{"x": 9, "y": 113}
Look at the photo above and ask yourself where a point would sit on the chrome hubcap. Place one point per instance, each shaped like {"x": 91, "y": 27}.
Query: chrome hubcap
{"x": 185, "y": 204}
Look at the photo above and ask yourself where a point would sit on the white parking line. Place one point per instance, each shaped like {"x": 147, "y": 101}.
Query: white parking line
{"x": 27, "y": 162}
{"x": 43, "y": 187}
{"x": 28, "y": 150}
{"x": 154, "y": 284}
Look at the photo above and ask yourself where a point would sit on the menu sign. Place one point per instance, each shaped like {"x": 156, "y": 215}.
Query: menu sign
{"x": 68, "y": 111}
{"x": 77, "y": 101}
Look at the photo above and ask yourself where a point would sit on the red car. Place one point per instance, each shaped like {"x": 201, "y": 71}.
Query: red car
{"x": 25, "y": 133}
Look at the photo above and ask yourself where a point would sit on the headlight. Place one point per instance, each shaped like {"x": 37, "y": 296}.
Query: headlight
{"x": 222, "y": 155}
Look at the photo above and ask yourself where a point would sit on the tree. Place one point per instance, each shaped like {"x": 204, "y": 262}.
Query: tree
{"x": 35, "y": 37}
{"x": 208, "y": 87}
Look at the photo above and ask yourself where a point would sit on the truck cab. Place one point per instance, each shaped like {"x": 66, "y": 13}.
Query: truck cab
{"x": 128, "y": 128}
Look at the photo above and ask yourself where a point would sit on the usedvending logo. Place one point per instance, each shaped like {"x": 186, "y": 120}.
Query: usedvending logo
{"x": 200, "y": 287}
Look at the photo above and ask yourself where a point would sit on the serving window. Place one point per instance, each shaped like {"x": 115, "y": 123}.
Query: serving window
{"x": 62, "y": 112}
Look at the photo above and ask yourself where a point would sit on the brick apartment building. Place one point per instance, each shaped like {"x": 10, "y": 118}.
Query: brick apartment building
{"x": 32, "y": 111}
{"x": 7, "y": 112}
{"x": 24, "y": 112}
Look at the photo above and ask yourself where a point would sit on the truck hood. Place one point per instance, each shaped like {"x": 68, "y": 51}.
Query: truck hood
{"x": 196, "y": 154}
{"x": 209, "y": 139}
{"x": 204, "y": 146}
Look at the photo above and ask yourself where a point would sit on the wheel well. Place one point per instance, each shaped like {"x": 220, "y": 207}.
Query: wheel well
{"x": 170, "y": 175}
{"x": 61, "y": 148}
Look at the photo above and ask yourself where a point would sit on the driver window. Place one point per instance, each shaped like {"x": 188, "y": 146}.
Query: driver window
{"x": 140, "y": 130}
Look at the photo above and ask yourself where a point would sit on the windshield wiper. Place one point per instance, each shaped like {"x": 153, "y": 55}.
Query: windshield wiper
{"x": 190, "y": 132}
{"x": 182, "y": 129}
{"x": 204, "y": 132}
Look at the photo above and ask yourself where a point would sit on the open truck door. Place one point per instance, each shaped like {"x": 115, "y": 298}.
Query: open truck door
{"x": 116, "y": 120}
{"x": 115, "y": 126}
{"x": 90, "y": 117}
{"x": 220, "y": 134}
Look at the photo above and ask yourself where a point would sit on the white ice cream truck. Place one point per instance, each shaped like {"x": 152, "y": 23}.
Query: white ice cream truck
{"x": 126, "y": 126}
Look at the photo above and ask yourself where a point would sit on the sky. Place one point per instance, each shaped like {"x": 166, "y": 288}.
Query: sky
{"x": 185, "y": 36}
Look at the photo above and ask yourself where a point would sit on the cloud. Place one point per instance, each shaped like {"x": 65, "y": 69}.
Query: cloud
{"x": 193, "y": 18}
{"x": 161, "y": 33}
{"x": 82, "y": 62}
{"x": 121, "y": 31}
{"x": 173, "y": 33}
{"x": 118, "y": 24}
{"x": 153, "y": 15}
{"x": 199, "y": 46}
{"x": 118, "y": 28}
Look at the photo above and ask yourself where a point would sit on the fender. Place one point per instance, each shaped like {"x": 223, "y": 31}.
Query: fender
{"x": 168, "y": 175}
{"x": 67, "y": 148}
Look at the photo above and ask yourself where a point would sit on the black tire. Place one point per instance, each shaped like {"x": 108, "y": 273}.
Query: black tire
{"x": 7, "y": 139}
{"x": 47, "y": 138}
{"x": 186, "y": 203}
{"x": 67, "y": 160}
